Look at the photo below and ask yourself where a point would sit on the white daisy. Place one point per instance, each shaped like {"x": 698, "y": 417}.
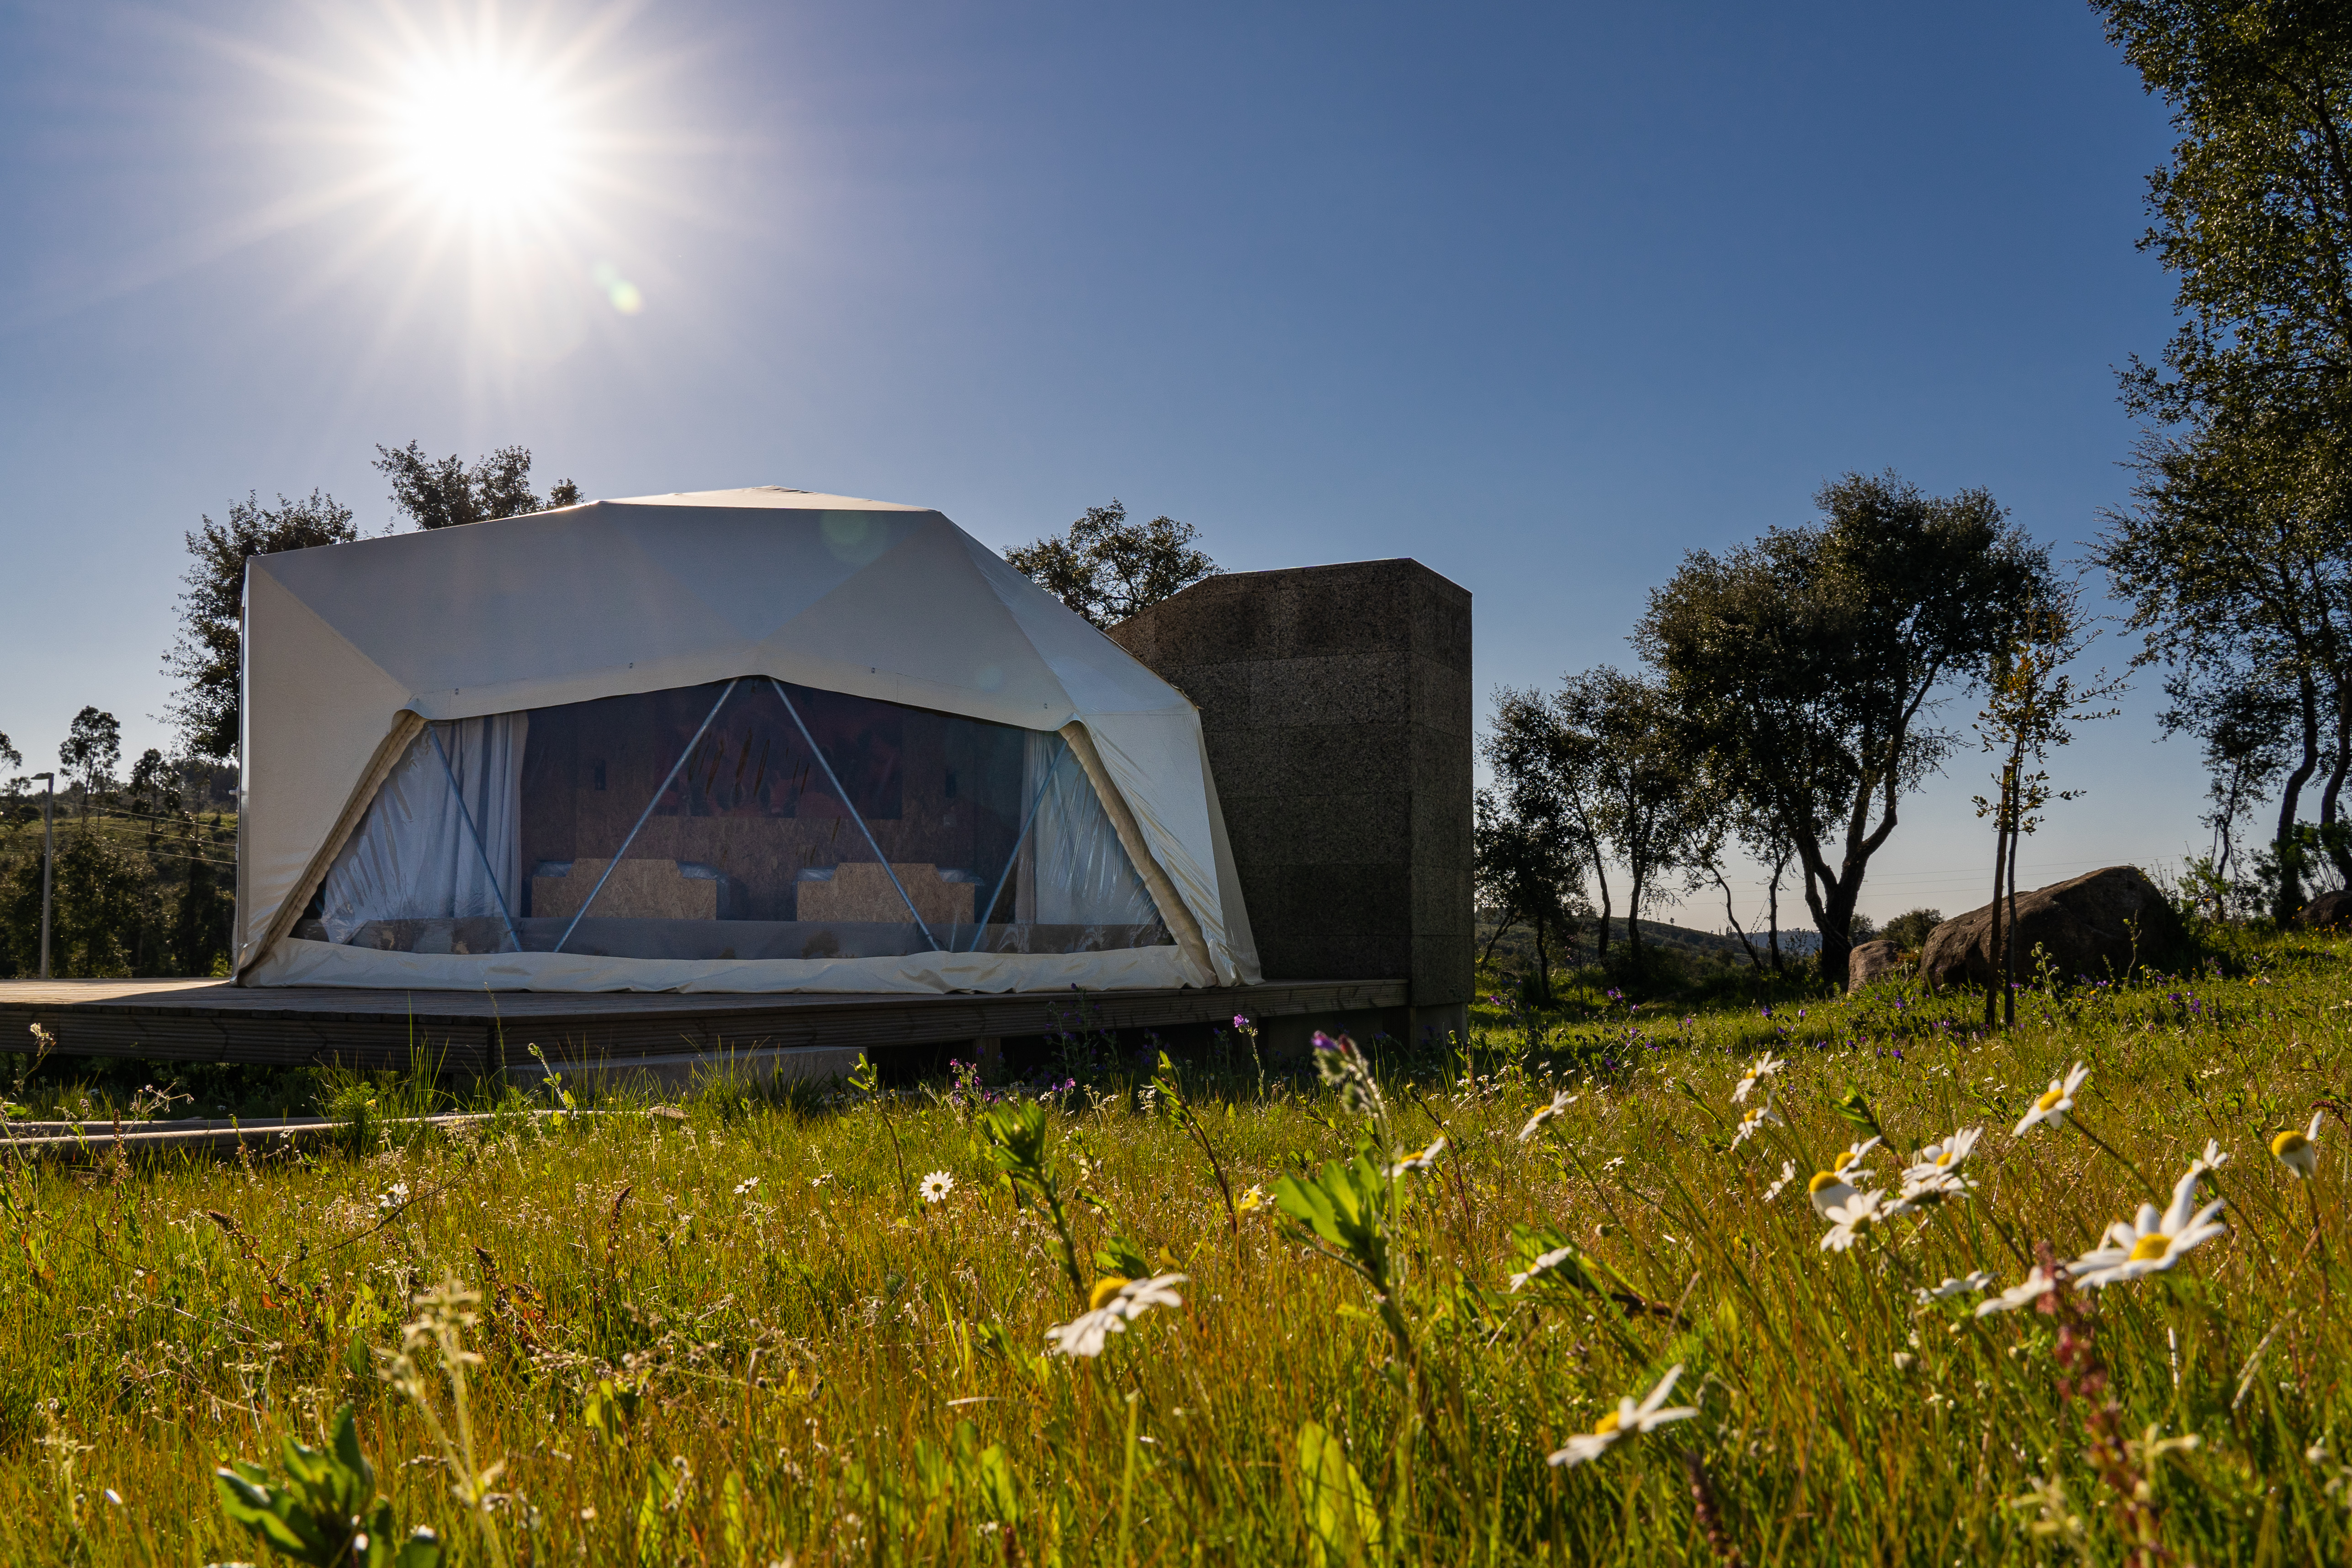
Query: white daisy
{"x": 1854, "y": 1154}
{"x": 2153, "y": 1242}
{"x": 1933, "y": 1158}
{"x": 2056, "y": 1102}
{"x": 1559, "y": 1102}
{"x": 1857, "y": 1218}
{"x": 1827, "y": 1189}
{"x": 1760, "y": 1069}
{"x": 2211, "y": 1160}
{"x": 1969, "y": 1286}
{"x": 2299, "y": 1151}
{"x": 1544, "y": 1263}
{"x": 1924, "y": 1184}
{"x": 1420, "y": 1162}
{"x": 1756, "y": 1121}
{"x": 2032, "y": 1288}
{"x": 1628, "y": 1420}
{"x": 1086, "y": 1334}
{"x": 936, "y": 1186}
{"x": 1788, "y": 1175}
{"x": 747, "y": 1185}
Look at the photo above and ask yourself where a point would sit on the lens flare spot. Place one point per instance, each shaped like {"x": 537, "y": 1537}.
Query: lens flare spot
{"x": 626, "y": 297}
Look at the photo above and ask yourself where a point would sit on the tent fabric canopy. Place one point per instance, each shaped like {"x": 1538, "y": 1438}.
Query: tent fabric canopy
{"x": 354, "y": 650}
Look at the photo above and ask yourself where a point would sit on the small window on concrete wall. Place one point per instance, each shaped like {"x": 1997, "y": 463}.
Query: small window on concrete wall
{"x": 748, "y": 819}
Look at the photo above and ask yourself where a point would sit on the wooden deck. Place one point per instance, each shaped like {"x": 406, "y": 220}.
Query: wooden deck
{"x": 476, "y": 1031}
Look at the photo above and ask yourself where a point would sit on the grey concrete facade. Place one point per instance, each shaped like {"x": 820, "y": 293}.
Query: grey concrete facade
{"x": 1336, "y": 705}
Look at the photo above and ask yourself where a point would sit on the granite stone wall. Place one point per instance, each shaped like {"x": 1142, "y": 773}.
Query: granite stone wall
{"x": 1336, "y": 705}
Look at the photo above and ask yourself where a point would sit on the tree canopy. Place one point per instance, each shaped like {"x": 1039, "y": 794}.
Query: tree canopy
{"x": 1107, "y": 568}
{"x": 443, "y": 493}
{"x": 206, "y": 656}
{"x": 1807, "y": 665}
{"x": 2236, "y": 551}
{"x": 93, "y": 744}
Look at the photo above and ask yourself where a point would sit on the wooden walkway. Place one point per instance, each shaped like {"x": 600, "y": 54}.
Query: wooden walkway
{"x": 474, "y": 1031}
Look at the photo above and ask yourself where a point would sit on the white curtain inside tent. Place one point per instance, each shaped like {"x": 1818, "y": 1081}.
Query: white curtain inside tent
{"x": 427, "y": 849}
{"x": 1082, "y": 877}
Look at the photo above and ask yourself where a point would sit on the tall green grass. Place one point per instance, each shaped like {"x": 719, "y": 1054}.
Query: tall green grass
{"x": 737, "y": 1337}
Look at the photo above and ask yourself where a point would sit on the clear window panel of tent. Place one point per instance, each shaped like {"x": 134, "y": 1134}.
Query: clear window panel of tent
{"x": 742, "y": 820}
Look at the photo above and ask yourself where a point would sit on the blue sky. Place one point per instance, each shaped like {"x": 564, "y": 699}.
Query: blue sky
{"x": 1542, "y": 296}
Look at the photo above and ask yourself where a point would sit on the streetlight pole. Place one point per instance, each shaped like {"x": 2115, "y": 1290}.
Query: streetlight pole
{"x": 48, "y": 861}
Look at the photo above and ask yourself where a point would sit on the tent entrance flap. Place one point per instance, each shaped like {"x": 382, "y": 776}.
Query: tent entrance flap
{"x": 737, "y": 821}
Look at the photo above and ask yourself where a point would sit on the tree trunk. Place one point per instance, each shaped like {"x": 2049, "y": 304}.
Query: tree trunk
{"x": 1772, "y": 909}
{"x": 1601, "y": 939}
{"x": 2332, "y": 835}
{"x": 1732, "y": 916}
{"x": 1999, "y": 858}
{"x": 1510, "y": 918}
{"x": 1633, "y": 924}
{"x": 1543, "y": 965}
{"x": 1833, "y": 916}
{"x": 2009, "y": 991}
{"x": 2289, "y": 852}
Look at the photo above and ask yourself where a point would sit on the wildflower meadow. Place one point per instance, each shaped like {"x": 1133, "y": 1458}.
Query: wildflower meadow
{"x": 1808, "y": 1280}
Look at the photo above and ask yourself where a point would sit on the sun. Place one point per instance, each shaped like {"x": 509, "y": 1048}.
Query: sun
{"x": 484, "y": 139}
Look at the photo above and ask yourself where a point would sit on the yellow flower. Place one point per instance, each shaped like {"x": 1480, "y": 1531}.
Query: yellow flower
{"x": 2299, "y": 1151}
{"x": 1828, "y": 1190}
{"x": 1420, "y": 1162}
{"x": 1934, "y": 1159}
{"x": 1856, "y": 1217}
{"x": 2053, "y": 1105}
{"x": 1628, "y": 1420}
{"x": 2153, "y": 1242}
{"x": 1756, "y": 1121}
{"x": 1109, "y": 1312}
{"x": 1854, "y": 1154}
{"x": 1757, "y": 1071}
{"x": 1559, "y": 1102}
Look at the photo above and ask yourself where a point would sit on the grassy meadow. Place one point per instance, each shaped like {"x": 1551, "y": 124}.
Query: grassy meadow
{"x": 733, "y": 1330}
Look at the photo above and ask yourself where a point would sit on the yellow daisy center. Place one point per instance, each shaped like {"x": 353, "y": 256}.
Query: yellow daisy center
{"x": 1945, "y": 1157}
{"x": 1843, "y": 1161}
{"x": 1109, "y": 1286}
{"x": 1608, "y": 1424}
{"x": 2150, "y": 1246}
{"x": 1824, "y": 1179}
{"x": 2050, "y": 1098}
{"x": 2289, "y": 1143}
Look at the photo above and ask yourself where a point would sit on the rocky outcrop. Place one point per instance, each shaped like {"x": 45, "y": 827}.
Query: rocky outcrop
{"x": 2097, "y": 925}
{"x": 1871, "y": 962}
{"x": 2327, "y": 911}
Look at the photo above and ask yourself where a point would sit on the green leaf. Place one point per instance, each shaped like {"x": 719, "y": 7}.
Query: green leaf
{"x": 1122, "y": 1256}
{"x": 421, "y": 1550}
{"x": 1345, "y": 1525}
{"x": 1856, "y": 1109}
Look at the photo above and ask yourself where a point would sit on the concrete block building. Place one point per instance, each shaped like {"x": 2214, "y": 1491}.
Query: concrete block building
{"x": 1336, "y": 702}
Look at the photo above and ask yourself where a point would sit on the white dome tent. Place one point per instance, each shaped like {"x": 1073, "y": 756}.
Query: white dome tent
{"x": 732, "y": 741}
